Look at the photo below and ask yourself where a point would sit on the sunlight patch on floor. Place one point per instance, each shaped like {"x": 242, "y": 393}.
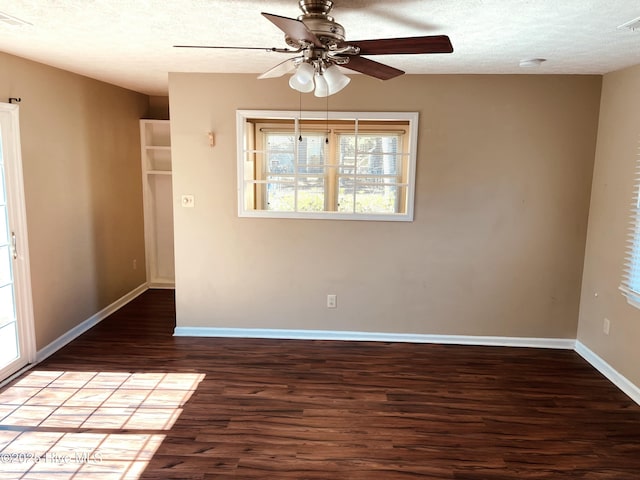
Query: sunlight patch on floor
{"x": 68, "y": 425}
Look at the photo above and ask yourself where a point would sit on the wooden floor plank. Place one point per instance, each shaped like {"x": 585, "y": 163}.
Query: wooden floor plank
{"x": 216, "y": 408}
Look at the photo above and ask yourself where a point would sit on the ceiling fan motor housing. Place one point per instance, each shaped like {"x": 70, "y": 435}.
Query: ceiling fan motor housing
{"x": 321, "y": 7}
{"x": 316, "y": 18}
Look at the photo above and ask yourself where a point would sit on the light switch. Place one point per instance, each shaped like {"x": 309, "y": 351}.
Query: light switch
{"x": 188, "y": 201}
{"x": 332, "y": 300}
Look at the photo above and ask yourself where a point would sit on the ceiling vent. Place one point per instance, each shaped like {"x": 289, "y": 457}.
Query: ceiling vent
{"x": 11, "y": 20}
{"x": 631, "y": 25}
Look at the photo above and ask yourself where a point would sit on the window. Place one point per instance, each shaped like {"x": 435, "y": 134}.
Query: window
{"x": 354, "y": 166}
{"x": 630, "y": 285}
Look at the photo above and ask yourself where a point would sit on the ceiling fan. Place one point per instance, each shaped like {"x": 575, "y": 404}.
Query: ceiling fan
{"x": 320, "y": 41}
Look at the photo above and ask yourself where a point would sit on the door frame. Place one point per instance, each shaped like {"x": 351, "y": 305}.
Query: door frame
{"x": 14, "y": 183}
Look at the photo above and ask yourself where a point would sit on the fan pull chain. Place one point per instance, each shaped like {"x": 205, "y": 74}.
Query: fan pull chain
{"x": 300, "y": 117}
{"x": 326, "y": 138}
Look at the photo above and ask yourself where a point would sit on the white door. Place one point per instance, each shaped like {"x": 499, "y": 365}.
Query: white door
{"x": 17, "y": 343}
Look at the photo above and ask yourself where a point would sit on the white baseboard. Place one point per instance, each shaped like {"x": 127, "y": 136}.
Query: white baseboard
{"x": 615, "y": 377}
{"x": 560, "y": 343}
{"x": 78, "y": 330}
{"x": 162, "y": 286}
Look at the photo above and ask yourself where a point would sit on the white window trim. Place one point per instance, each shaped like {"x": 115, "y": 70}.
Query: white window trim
{"x": 412, "y": 117}
{"x": 630, "y": 285}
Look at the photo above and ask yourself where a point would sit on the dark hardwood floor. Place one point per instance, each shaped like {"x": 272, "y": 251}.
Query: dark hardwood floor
{"x": 160, "y": 407}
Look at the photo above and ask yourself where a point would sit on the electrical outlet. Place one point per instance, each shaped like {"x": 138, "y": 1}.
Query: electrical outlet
{"x": 135, "y": 264}
{"x": 606, "y": 326}
{"x": 332, "y": 301}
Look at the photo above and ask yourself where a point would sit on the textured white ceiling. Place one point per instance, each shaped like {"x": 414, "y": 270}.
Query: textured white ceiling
{"x": 129, "y": 42}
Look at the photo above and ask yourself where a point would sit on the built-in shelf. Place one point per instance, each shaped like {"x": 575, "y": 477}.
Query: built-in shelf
{"x": 155, "y": 140}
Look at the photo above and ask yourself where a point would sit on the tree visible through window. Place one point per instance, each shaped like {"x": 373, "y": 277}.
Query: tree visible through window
{"x": 287, "y": 178}
{"x": 370, "y": 173}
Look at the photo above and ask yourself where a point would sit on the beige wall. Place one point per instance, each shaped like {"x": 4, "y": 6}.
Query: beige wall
{"x": 613, "y": 183}
{"x": 81, "y": 162}
{"x": 496, "y": 248}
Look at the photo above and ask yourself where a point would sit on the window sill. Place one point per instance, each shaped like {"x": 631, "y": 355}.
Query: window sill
{"x": 381, "y": 217}
{"x": 632, "y": 298}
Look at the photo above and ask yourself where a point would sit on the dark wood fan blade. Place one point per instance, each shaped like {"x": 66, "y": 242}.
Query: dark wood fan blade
{"x": 406, "y": 45}
{"x": 293, "y": 28}
{"x": 371, "y": 68}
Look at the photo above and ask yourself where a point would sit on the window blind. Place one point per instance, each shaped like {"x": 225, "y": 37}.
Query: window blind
{"x": 630, "y": 285}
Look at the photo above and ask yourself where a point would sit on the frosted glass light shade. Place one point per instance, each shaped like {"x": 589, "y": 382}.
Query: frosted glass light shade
{"x": 302, "y": 80}
{"x": 336, "y": 80}
{"x": 322, "y": 89}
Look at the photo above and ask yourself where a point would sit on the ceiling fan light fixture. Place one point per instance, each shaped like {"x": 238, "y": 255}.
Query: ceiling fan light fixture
{"x": 302, "y": 80}
{"x": 301, "y": 87}
{"x": 336, "y": 80}
{"x": 322, "y": 88}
